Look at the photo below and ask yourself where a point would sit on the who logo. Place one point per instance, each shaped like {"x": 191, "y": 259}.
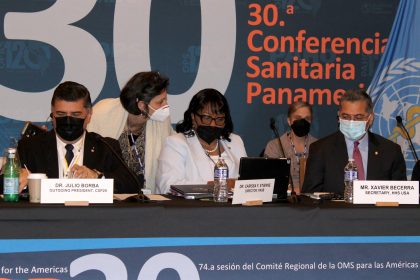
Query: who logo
{"x": 399, "y": 95}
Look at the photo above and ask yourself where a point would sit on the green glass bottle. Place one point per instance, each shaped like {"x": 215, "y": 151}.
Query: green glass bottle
{"x": 11, "y": 177}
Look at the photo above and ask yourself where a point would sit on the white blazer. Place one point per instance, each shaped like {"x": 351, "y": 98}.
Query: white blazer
{"x": 184, "y": 161}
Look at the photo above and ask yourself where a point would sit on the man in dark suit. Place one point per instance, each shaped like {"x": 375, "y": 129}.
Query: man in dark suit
{"x": 69, "y": 151}
{"x": 376, "y": 157}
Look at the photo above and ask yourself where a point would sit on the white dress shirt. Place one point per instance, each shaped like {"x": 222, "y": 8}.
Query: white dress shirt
{"x": 78, "y": 149}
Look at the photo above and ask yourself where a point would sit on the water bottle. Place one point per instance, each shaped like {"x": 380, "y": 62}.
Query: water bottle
{"x": 350, "y": 174}
{"x": 221, "y": 174}
{"x": 11, "y": 177}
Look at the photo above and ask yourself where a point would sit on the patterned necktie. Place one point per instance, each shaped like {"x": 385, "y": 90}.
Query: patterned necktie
{"x": 69, "y": 153}
{"x": 357, "y": 156}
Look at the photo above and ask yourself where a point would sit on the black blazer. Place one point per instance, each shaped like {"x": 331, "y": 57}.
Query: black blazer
{"x": 416, "y": 172}
{"x": 39, "y": 153}
{"x": 328, "y": 157}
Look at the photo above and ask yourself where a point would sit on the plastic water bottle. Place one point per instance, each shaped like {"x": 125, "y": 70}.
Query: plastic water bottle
{"x": 221, "y": 174}
{"x": 11, "y": 177}
{"x": 350, "y": 174}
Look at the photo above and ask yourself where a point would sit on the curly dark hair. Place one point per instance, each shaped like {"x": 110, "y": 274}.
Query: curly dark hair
{"x": 219, "y": 105}
{"x": 142, "y": 86}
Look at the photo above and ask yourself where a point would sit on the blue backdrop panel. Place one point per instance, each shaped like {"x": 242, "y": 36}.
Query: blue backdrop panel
{"x": 233, "y": 46}
{"x": 370, "y": 257}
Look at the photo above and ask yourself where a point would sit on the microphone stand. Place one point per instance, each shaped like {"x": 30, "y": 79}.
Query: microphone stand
{"x": 402, "y": 126}
{"x": 140, "y": 196}
{"x": 293, "y": 197}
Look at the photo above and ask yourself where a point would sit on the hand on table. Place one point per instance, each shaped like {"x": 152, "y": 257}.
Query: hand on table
{"x": 23, "y": 178}
{"x": 81, "y": 171}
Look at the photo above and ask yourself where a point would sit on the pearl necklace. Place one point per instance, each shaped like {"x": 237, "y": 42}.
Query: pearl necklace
{"x": 212, "y": 151}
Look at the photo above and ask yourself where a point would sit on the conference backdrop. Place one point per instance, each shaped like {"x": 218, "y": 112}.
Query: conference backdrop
{"x": 395, "y": 89}
{"x": 262, "y": 55}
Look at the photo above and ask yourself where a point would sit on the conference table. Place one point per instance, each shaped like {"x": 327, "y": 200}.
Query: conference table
{"x": 192, "y": 239}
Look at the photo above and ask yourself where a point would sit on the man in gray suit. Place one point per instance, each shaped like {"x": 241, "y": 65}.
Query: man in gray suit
{"x": 377, "y": 158}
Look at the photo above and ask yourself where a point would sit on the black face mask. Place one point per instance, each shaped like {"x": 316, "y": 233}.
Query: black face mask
{"x": 301, "y": 127}
{"x": 209, "y": 133}
{"x": 69, "y": 128}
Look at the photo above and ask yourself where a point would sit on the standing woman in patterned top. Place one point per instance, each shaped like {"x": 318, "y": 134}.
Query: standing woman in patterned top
{"x": 139, "y": 120}
{"x": 295, "y": 142}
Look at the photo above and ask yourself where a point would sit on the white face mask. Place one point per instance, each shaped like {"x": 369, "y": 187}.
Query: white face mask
{"x": 353, "y": 130}
{"x": 160, "y": 114}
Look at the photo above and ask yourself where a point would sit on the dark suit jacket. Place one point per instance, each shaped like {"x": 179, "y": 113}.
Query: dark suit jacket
{"x": 416, "y": 172}
{"x": 328, "y": 157}
{"x": 39, "y": 153}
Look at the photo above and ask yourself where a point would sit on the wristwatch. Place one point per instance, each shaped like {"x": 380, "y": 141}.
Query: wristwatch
{"x": 99, "y": 173}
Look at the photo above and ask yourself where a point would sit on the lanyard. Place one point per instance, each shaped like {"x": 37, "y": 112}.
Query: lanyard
{"x": 298, "y": 155}
{"x": 136, "y": 151}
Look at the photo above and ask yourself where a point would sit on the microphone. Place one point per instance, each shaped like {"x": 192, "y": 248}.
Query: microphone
{"x": 140, "y": 196}
{"x": 293, "y": 196}
{"x": 30, "y": 129}
{"x": 401, "y": 125}
{"x": 273, "y": 124}
{"x": 276, "y": 133}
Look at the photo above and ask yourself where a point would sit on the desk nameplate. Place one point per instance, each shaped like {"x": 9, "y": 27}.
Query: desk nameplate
{"x": 253, "y": 190}
{"x": 65, "y": 190}
{"x": 371, "y": 192}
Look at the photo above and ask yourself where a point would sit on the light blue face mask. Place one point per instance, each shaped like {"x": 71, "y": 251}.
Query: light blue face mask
{"x": 353, "y": 130}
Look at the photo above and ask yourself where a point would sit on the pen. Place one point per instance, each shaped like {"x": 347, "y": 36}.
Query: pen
{"x": 29, "y": 172}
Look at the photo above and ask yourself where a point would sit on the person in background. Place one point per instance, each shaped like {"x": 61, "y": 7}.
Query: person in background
{"x": 69, "y": 151}
{"x": 140, "y": 120}
{"x": 376, "y": 158}
{"x": 189, "y": 156}
{"x": 295, "y": 142}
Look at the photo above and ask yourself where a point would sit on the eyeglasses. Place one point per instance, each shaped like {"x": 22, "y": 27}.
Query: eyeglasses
{"x": 205, "y": 119}
{"x": 358, "y": 117}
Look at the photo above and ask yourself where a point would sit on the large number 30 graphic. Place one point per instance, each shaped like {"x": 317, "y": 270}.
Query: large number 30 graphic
{"x": 114, "y": 269}
{"x": 84, "y": 59}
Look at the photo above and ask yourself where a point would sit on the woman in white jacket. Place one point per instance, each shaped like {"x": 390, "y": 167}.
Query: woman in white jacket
{"x": 189, "y": 156}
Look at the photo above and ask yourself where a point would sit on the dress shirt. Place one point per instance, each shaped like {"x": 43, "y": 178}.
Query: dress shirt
{"x": 78, "y": 150}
